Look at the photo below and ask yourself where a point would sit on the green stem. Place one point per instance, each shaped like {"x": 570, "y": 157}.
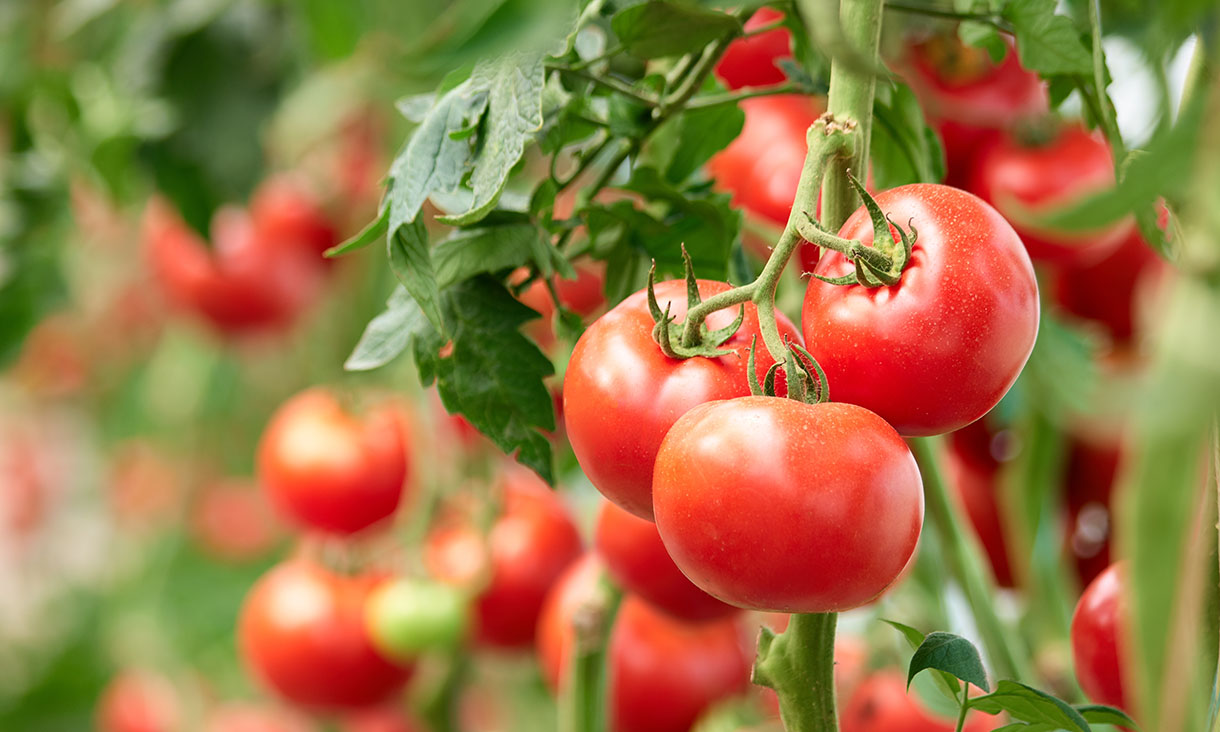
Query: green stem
{"x": 1109, "y": 123}
{"x": 747, "y": 92}
{"x": 961, "y": 714}
{"x": 948, "y": 13}
{"x": 963, "y": 553}
{"x": 583, "y": 701}
{"x": 607, "y": 82}
{"x": 850, "y": 101}
{"x": 799, "y": 665}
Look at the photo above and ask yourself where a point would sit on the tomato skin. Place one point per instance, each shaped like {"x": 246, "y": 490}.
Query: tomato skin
{"x": 752, "y": 61}
{"x": 636, "y": 558}
{"x": 730, "y": 472}
{"x": 1097, "y": 626}
{"x": 408, "y": 616}
{"x": 530, "y": 544}
{"x": 136, "y": 701}
{"x": 240, "y": 285}
{"x": 328, "y": 471}
{"x": 1074, "y": 164}
{"x": 1107, "y": 292}
{"x": 965, "y": 96}
{"x": 621, "y": 394}
{"x": 301, "y": 632}
{"x": 232, "y": 521}
{"x": 900, "y": 351}
{"x": 881, "y": 703}
{"x": 286, "y": 214}
{"x": 663, "y": 673}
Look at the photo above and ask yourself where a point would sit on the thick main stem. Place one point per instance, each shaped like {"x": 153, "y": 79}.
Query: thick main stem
{"x": 799, "y": 666}
{"x": 850, "y": 99}
{"x": 962, "y": 552}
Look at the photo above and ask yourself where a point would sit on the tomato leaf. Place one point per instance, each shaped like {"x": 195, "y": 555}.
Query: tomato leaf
{"x": 513, "y": 88}
{"x": 411, "y": 263}
{"x": 945, "y": 682}
{"x": 388, "y": 334}
{"x": 1047, "y": 43}
{"x": 904, "y": 149}
{"x": 470, "y": 252}
{"x": 913, "y": 636}
{"x": 705, "y": 223}
{"x": 367, "y": 235}
{"x": 1102, "y": 714}
{"x": 701, "y": 134}
{"x": 661, "y": 28}
{"x": 491, "y": 373}
{"x": 1027, "y": 704}
{"x": 952, "y": 654}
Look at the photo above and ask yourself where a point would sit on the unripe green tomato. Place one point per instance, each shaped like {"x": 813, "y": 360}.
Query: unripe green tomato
{"x": 407, "y": 617}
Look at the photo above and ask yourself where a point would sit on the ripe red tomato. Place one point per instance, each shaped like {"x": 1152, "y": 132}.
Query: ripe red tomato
{"x": 939, "y": 349}
{"x": 286, "y": 214}
{"x": 965, "y": 95}
{"x": 976, "y": 482}
{"x": 635, "y": 557}
{"x": 252, "y": 718}
{"x": 882, "y": 704}
{"x": 663, "y": 673}
{"x": 233, "y": 521}
{"x": 137, "y": 701}
{"x": 531, "y": 542}
{"x": 329, "y": 471}
{"x": 752, "y": 61}
{"x": 239, "y": 285}
{"x": 1043, "y": 177}
{"x": 1108, "y": 292}
{"x": 1092, "y": 467}
{"x": 840, "y": 482}
{"x": 301, "y": 632}
{"x": 1098, "y": 626}
{"x": 583, "y": 295}
{"x": 621, "y": 394}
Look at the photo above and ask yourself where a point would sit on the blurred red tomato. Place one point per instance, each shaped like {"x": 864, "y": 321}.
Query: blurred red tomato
{"x": 253, "y": 718}
{"x": 582, "y": 296}
{"x": 146, "y": 487}
{"x": 753, "y": 61}
{"x": 663, "y": 673}
{"x": 531, "y": 541}
{"x": 388, "y": 719}
{"x": 635, "y": 557}
{"x": 1098, "y": 628}
{"x": 232, "y": 520}
{"x": 975, "y": 478}
{"x": 138, "y": 701}
{"x": 301, "y": 632}
{"x": 55, "y": 358}
{"x": 330, "y": 471}
{"x": 882, "y": 704}
{"x": 286, "y": 214}
{"x": 1092, "y": 467}
{"x": 964, "y": 95}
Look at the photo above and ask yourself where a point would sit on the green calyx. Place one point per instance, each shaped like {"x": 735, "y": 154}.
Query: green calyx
{"x": 810, "y": 387}
{"x": 675, "y": 341}
{"x": 880, "y": 265}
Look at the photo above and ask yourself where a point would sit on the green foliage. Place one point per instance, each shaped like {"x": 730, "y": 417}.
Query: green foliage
{"x": 903, "y": 148}
{"x": 951, "y": 654}
{"x": 1047, "y": 43}
{"x": 666, "y": 28}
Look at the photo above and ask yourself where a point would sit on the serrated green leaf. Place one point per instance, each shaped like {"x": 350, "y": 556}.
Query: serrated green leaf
{"x": 1102, "y": 714}
{"x": 952, "y": 654}
{"x": 660, "y": 28}
{"x": 513, "y": 87}
{"x": 493, "y": 375}
{"x": 1028, "y": 704}
{"x": 470, "y": 252}
{"x": 703, "y": 133}
{"x": 411, "y": 263}
{"x": 388, "y": 334}
{"x": 1047, "y": 43}
{"x": 707, "y": 225}
{"x": 369, "y": 234}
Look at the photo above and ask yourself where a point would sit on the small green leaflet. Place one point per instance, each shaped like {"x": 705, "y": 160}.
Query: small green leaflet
{"x": 1047, "y": 43}
{"x": 411, "y": 262}
{"x": 703, "y": 133}
{"x": 946, "y": 682}
{"x": 1102, "y": 714}
{"x": 952, "y": 654}
{"x": 1034, "y": 707}
{"x": 388, "y": 334}
{"x": 660, "y": 28}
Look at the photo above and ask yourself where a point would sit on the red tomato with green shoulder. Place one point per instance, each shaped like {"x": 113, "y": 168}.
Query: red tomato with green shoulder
{"x": 663, "y": 673}
{"x": 138, "y": 701}
{"x": 966, "y": 95}
{"x": 753, "y": 61}
{"x": 748, "y": 490}
{"x": 1025, "y": 179}
{"x": 529, "y": 545}
{"x": 881, "y": 703}
{"x": 938, "y": 350}
{"x": 330, "y": 471}
{"x": 635, "y": 557}
{"x": 621, "y": 394}
{"x": 1098, "y": 635}
{"x": 301, "y": 632}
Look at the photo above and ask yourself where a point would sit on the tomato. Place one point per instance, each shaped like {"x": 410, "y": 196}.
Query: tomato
{"x": 531, "y": 542}
{"x": 329, "y": 471}
{"x": 753, "y": 61}
{"x": 232, "y": 520}
{"x": 138, "y": 701}
{"x": 408, "y": 616}
{"x": 635, "y": 557}
{"x": 1039, "y": 178}
{"x": 748, "y": 490}
{"x": 965, "y": 95}
{"x": 1098, "y": 626}
{"x": 240, "y": 285}
{"x": 1108, "y": 292}
{"x": 582, "y": 295}
{"x": 976, "y": 482}
{"x": 663, "y": 673}
{"x": 286, "y": 214}
{"x": 378, "y": 720}
{"x": 251, "y": 718}
{"x": 146, "y": 487}
{"x": 301, "y": 632}
{"x": 882, "y": 704}
{"x": 939, "y": 349}
{"x": 621, "y": 394}
{"x": 1092, "y": 467}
